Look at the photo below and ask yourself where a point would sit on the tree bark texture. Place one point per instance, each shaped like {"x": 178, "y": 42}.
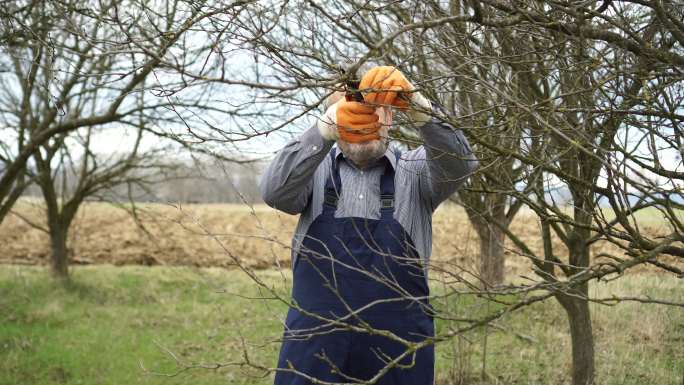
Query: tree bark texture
{"x": 487, "y": 215}
{"x": 581, "y": 334}
{"x": 492, "y": 260}
{"x": 59, "y": 257}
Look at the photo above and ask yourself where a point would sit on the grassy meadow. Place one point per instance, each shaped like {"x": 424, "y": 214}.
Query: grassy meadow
{"x": 162, "y": 301}
{"x": 144, "y": 325}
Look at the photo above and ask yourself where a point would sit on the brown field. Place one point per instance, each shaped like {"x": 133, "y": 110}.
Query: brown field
{"x": 222, "y": 234}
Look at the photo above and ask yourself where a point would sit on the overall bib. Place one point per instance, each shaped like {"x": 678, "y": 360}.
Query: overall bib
{"x": 368, "y": 266}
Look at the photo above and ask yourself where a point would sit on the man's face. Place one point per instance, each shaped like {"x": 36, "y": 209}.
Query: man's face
{"x": 365, "y": 153}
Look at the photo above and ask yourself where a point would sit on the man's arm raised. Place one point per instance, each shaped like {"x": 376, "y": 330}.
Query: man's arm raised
{"x": 287, "y": 182}
{"x": 445, "y": 159}
{"x": 449, "y": 160}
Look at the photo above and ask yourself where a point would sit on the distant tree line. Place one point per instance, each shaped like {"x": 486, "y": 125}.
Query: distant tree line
{"x": 197, "y": 182}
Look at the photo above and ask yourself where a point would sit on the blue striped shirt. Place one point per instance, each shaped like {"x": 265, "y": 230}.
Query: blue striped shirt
{"x": 294, "y": 181}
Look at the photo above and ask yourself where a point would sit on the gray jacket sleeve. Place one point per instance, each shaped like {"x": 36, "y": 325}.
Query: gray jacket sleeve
{"x": 287, "y": 182}
{"x": 449, "y": 161}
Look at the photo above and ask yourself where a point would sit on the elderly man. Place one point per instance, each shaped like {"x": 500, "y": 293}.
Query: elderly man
{"x": 363, "y": 240}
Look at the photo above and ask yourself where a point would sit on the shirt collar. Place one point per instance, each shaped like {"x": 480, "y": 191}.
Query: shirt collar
{"x": 389, "y": 154}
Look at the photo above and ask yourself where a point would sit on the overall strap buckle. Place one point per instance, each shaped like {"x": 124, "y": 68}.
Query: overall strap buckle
{"x": 386, "y": 201}
{"x": 330, "y": 199}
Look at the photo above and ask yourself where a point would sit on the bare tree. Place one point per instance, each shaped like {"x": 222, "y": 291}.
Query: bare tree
{"x": 572, "y": 105}
{"x": 73, "y": 72}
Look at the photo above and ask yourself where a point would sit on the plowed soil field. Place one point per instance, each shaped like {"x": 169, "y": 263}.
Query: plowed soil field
{"x": 228, "y": 235}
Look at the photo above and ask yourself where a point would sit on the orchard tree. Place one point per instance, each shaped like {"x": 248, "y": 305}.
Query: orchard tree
{"x": 572, "y": 106}
{"x": 75, "y": 71}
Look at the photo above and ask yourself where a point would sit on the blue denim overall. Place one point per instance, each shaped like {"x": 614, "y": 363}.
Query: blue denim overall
{"x": 357, "y": 264}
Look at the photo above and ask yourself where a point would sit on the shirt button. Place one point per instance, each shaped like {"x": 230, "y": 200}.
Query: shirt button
{"x": 314, "y": 148}
{"x": 360, "y": 196}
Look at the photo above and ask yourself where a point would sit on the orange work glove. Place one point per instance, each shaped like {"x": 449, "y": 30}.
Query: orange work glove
{"x": 357, "y": 122}
{"x": 384, "y": 85}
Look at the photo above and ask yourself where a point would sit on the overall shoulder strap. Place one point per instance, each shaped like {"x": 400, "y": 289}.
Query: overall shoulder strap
{"x": 387, "y": 190}
{"x": 333, "y": 184}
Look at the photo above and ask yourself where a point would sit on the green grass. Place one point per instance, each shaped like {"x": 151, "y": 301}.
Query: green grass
{"x": 120, "y": 325}
{"x": 111, "y": 322}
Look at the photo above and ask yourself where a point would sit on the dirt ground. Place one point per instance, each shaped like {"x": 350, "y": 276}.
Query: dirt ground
{"x": 226, "y": 235}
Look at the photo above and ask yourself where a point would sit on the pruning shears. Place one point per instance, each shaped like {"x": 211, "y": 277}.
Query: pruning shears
{"x": 351, "y": 85}
{"x": 352, "y": 92}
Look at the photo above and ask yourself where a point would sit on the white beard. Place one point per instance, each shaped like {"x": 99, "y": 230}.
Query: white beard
{"x": 363, "y": 154}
